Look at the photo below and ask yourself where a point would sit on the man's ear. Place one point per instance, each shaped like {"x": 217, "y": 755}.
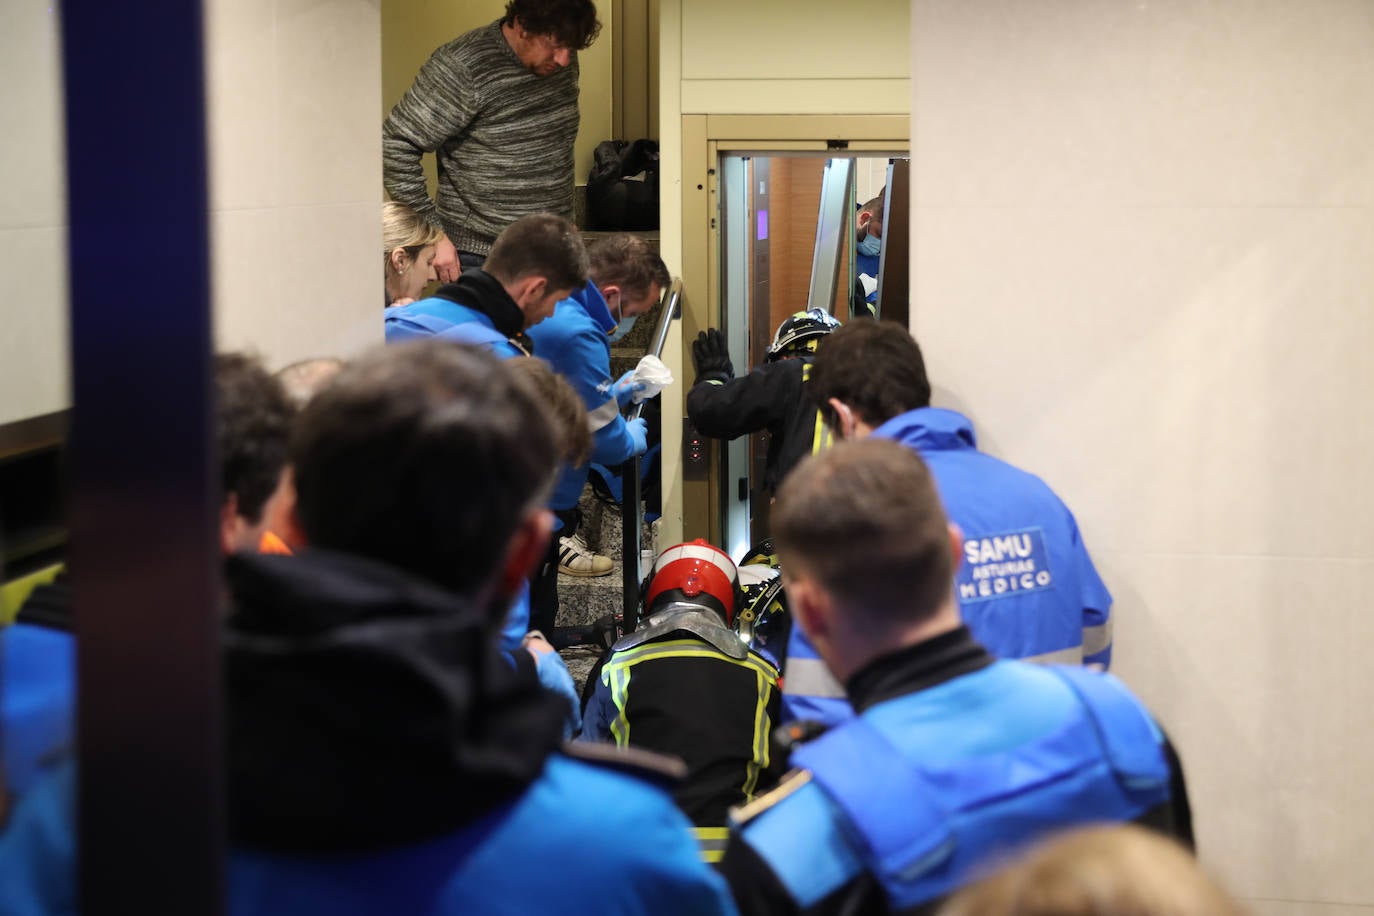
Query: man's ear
{"x": 862, "y": 219}
{"x": 527, "y": 548}
{"x": 229, "y": 524}
{"x": 844, "y": 418}
{"x": 531, "y": 289}
{"x": 612, "y": 288}
{"x": 811, "y": 606}
{"x": 956, "y": 545}
{"x": 281, "y": 515}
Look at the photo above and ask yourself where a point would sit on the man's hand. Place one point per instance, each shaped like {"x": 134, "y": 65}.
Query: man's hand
{"x": 711, "y": 356}
{"x": 639, "y": 434}
{"x": 446, "y": 261}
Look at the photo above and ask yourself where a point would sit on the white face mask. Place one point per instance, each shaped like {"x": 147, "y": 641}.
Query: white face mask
{"x": 624, "y": 325}
{"x": 870, "y": 245}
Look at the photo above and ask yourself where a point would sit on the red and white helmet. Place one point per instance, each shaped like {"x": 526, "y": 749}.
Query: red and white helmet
{"x": 693, "y": 573}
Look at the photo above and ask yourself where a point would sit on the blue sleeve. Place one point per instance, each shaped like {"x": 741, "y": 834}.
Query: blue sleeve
{"x": 611, "y": 444}
{"x": 38, "y": 848}
{"x": 600, "y": 712}
{"x": 517, "y": 621}
{"x": 556, "y": 679}
{"x": 662, "y": 871}
{"x": 1097, "y": 606}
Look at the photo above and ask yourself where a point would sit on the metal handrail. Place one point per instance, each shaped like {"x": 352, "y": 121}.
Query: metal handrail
{"x": 631, "y": 512}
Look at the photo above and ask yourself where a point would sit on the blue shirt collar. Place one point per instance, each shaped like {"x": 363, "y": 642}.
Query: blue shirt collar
{"x": 929, "y": 428}
{"x": 594, "y": 304}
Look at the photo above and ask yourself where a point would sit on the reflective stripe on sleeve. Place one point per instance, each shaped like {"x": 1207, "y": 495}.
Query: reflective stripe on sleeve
{"x": 809, "y": 677}
{"x": 1097, "y": 639}
{"x": 1073, "y": 655}
{"x": 712, "y": 841}
{"x": 604, "y": 414}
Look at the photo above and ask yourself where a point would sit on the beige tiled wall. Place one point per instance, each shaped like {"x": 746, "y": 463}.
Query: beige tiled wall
{"x": 33, "y": 218}
{"x": 1144, "y": 264}
{"x": 294, "y": 89}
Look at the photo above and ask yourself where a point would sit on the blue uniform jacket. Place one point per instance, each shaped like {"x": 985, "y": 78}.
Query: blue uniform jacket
{"x": 925, "y": 787}
{"x": 575, "y": 342}
{"x": 445, "y": 318}
{"x": 1026, "y": 586}
{"x": 37, "y": 697}
{"x": 538, "y": 854}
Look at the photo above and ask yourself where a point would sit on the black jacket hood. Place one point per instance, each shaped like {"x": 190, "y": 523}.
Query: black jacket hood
{"x": 368, "y": 708}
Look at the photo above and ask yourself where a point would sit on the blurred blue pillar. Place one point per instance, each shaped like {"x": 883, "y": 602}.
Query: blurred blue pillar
{"x": 144, "y": 549}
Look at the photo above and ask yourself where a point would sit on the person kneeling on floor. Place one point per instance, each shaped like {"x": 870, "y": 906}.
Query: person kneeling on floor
{"x": 685, "y": 684}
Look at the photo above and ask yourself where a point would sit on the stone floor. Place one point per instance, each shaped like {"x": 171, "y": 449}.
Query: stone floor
{"x": 582, "y": 600}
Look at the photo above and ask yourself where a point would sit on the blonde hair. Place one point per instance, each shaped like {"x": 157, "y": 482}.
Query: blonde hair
{"x": 1121, "y": 870}
{"x": 402, "y": 227}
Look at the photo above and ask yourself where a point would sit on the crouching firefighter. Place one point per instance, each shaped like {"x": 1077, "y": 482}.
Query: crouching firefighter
{"x": 685, "y": 684}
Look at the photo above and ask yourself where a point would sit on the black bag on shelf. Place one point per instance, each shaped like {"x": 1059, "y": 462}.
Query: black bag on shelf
{"x": 622, "y": 188}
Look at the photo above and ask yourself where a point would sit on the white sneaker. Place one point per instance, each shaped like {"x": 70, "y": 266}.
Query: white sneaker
{"x": 575, "y": 558}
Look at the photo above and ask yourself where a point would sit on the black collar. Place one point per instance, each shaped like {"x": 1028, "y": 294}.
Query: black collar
{"x": 919, "y": 667}
{"x": 482, "y": 292}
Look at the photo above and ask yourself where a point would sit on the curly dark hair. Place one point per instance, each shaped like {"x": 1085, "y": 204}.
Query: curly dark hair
{"x": 572, "y": 23}
{"x": 875, "y": 367}
{"x": 253, "y": 427}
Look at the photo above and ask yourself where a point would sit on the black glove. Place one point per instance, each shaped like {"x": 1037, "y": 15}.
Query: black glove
{"x": 711, "y": 356}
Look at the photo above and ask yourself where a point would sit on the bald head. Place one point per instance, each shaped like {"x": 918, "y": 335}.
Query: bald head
{"x": 864, "y": 522}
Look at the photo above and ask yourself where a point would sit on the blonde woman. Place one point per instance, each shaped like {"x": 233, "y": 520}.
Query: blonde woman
{"x": 407, "y": 252}
{"x": 1120, "y": 870}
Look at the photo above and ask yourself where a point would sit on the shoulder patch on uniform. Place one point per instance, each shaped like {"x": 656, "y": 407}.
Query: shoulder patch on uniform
{"x": 660, "y": 769}
{"x": 791, "y": 782}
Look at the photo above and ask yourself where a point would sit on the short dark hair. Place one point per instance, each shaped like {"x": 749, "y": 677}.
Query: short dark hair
{"x": 875, "y": 367}
{"x": 425, "y": 455}
{"x": 572, "y": 23}
{"x": 865, "y": 521}
{"x": 543, "y": 245}
{"x": 253, "y": 419}
{"x": 876, "y": 205}
{"x": 627, "y": 261}
{"x": 567, "y": 410}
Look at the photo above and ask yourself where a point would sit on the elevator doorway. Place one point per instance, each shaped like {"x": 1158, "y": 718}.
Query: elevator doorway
{"x": 789, "y": 240}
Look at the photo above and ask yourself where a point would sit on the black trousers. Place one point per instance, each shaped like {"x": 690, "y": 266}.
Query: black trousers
{"x": 544, "y": 582}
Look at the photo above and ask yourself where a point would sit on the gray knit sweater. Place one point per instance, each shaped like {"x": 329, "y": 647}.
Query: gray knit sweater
{"x": 503, "y": 139}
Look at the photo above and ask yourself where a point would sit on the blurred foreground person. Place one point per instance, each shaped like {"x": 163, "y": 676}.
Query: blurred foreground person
{"x": 383, "y": 757}
{"x": 1098, "y": 871}
{"x": 253, "y": 417}
{"x": 954, "y": 758}
{"x": 684, "y": 683}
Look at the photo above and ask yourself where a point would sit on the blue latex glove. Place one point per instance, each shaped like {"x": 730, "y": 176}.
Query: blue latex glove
{"x": 626, "y": 387}
{"x": 639, "y": 434}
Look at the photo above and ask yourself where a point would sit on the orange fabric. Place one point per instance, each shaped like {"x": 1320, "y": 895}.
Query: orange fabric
{"x": 270, "y": 543}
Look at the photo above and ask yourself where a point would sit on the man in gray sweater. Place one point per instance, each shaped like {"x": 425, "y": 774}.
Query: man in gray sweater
{"x": 498, "y": 108}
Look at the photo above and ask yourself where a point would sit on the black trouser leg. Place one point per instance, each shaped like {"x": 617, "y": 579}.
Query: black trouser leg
{"x": 544, "y": 582}
{"x": 544, "y": 591}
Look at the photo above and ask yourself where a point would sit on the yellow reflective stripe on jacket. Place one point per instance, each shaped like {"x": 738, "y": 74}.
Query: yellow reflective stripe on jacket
{"x": 712, "y": 841}
{"x": 616, "y": 675}
{"x": 821, "y": 438}
{"x": 763, "y": 730}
